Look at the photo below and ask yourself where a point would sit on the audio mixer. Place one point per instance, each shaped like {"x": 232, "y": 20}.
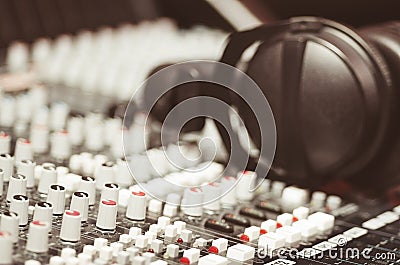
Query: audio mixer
{"x": 73, "y": 193}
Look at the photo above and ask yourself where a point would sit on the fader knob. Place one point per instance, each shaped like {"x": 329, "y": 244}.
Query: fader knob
{"x": 110, "y": 191}
{"x": 6, "y": 248}
{"x": 27, "y": 169}
{"x": 10, "y": 223}
{"x": 16, "y": 186}
{"x": 5, "y": 142}
{"x": 39, "y": 138}
{"x": 106, "y": 218}
{"x": 88, "y": 185}
{"x": 71, "y": 226}
{"x": 38, "y": 238}
{"x": 80, "y": 203}
{"x": 44, "y": 212}
{"x": 19, "y": 204}
{"x": 60, "y": 145}
{"x": 136, "y": 209}
{"x": 23, "y": 150}
{"x": 56, "y": 197}
{"x": 246, "y": 182}
{"x": 7, "y": 165}
{"x": 104, "y": 174}
{"x": 47, "y": 178}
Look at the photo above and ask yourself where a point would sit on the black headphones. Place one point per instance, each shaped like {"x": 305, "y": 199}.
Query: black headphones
{"x": 335, "y": 96}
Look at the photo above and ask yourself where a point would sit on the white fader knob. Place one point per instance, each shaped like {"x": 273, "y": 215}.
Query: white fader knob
{"x": 23, "y": 150}
{"x": 27, "y": 169}
{"x": 7, "y": 165}
{"x": 110, "y": 191}
{"x": 56, "y": 197}
{"x": 39, "y": 138}
{"x": 44, "y": 212}
{"x": 123, "y": 176}
{"x": 293, "y": 197}
{"x": 106, "y": 217}
{"x": 19, "y": 204}
{"x": 80, "y": 203}
{"x": 228, "y": 191}
{"x": 136, "y": 209}
{"x": 16, "y": 186}
{"x": 60, "y": 145}
{"x": 88, "y": 185}
{"x": 192, "y": 201}
{"x": 38, "y": 237}
{"x": 47, "y": 178}
{"x": 6, "y": 246}
{"x": 10, "y": 223}
{"x": 104, "y": 174}
{"x": 246, "y": 182}
{"x": 71, "y": 226}
{"x": 5, "y": 142}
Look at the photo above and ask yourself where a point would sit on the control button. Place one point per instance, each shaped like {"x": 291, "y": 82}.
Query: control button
{"x": 104, "y": 174}
{"x": 47, "y": 178}
{"x": 228, "y": 191}
{"x": 155, "y": 206}
{"x": 323, "y": 221}
{"x": 246, "y": 182}
{"x": 71, "y": 226}
{"x": 123, "y": 176}
{"x": 236, "y": 220}
{"x": 293, "y": 197}
{"x": 171, "y": 231}
{"x": 67, "y": 253}
{"x": 271, "y": 241}
{"x": 170, "y": 210}
{"x": 6, "y": 246}
{"x": 172, "y": 250}
{"x": 39, "y": 138}
{"x": 116, "y": 248}
{"x": 44, "y": 212}
{"x": 355, "y": 232}
{"x": 318, "y": 199}
{"x": 388, "y": 217}
{"x": 56, "y": 196}
{"x": 277, "y": 188}
{"x": 307, "y": 228}
{"x": 9, "y": 223}
{"x": 252, "y": 232}
{"x": 163, "y": 221}
{"x": 157, "y": 245}
{"x": 218, "y": 226}
{"x": 186, "y": 235}
{"x": 106, "y": 254}
{"x": 253, "y": 213}
{"x": 192, "y": 254}
{"x": 99, "y": 243}
{"x": 135, "y": 231}
{"x": 323, "y": 246}
{"x": 7, "y": 165}
{"x": 80, "y": 203}
{"x": 292, "y": 234}
{"x": 285, "y": 219}
{"x": 269, "y": 206}
{"x": 136, "y": 209}
{"x": 180, "y": 225}
{"x": 56, "y": 260}
{"x": 38, "y": 237}
{"x": 106, "y": 218}
{"x": 397, "y": 209}
{"x": 27, "y": 169}
{"x": 123, "y": 257}
{"x": 281, "y": 262}
{"x": 88, "y": 185}
{"x": 19, "y": 205}
{"x": 269, "y": 225}
{"x": 240, "y": 252}
{"x": 301, "y": 212}
{"x": 333, "y": 202}
{"x": 213, "y": 259}
{"x": 17, "y": 185}
{"x": 141, "y": 241}
{"x": 308, "y": 253}
{"x": 110, "y": 191}
{"x": 221, "y": 244}
{"x": 373, "y": 224}
{"x": 23, "y": 150}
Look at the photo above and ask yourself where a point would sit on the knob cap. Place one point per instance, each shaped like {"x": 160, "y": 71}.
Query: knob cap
{"x": 56, "y": 197}
{"x": 16, "y": 186}
{"x": 88, "y": 185}
{"x": 110, "y": 191}
{"x": 80, "y": 203}
{"x": 7, "y": 165}
{"x": 71, "y": 226}
{"x": 136, "y": 209}
{"x": 19, "y": 204}
{"x": 6, "y": 247}
{"x": 23, "y": 150}
{"x": 38, "y": 237}
{"x": 60, "y": 145}
{"x": 104, "y": 174}
{"x": 10, "y": 223}
{"x": 246, "y": 182}
{"x": 47, "y": 178}
{"x": 106, "y": 218}
{"x": 27, "y": 168}
{"x": 44, "y": 212}
{"x": 5, "y": 142}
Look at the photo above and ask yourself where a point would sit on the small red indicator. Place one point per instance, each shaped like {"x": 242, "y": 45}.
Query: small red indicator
{"x": 180, "y": 240}
{"x": 245, "y": 238}
{"x": 150, "y": 250}
{"x": 72, "y": 213}
{"x": 139, "y": 193}
{"x": 109, "y": 202}
{"x": 184, "y": 260}
{"x": 38, "y": 223}
{"x": 295, "y": 219}
{"x": 278, "y": 225}
{"x": 213, "y": 249}
{"x": 263, "y": 231}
